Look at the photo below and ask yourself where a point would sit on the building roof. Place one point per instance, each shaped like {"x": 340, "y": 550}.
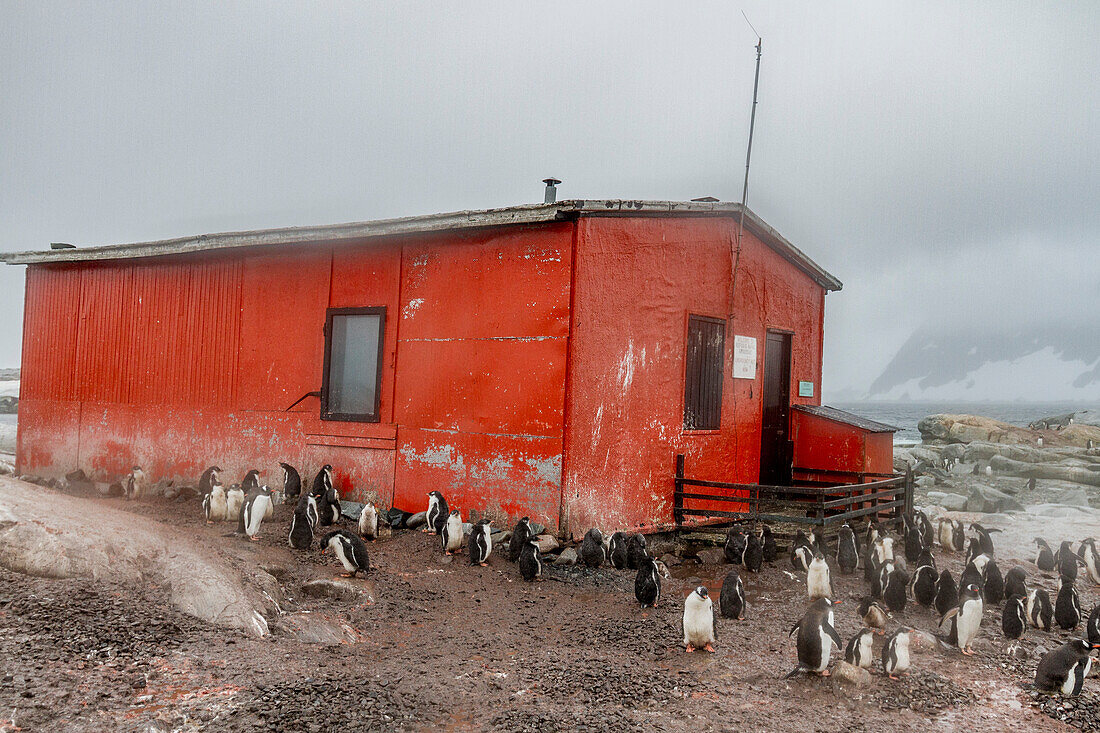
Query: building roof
{"x": 832, "y": 413}
{"x": 452, "y": 221}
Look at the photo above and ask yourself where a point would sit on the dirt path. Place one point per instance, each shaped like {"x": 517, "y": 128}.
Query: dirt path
{"x": 445, "y": 645}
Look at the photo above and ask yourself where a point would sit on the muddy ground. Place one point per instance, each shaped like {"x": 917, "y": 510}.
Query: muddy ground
{"x": 443, "y": 645}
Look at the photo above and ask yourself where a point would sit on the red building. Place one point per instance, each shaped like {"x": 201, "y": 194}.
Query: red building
{"x": 548, "y": 360}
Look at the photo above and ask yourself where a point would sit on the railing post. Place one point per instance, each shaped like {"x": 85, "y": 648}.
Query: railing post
{"x": 678, "y": 492}
{"x": 909, "y": 490}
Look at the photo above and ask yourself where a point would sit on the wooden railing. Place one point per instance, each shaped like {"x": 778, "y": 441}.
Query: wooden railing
{"x": 813, "y": 502}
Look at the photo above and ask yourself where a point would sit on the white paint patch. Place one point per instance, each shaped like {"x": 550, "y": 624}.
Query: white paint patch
{"x": 626, "y": 367}
{"x": 411, "y": 307}
{"x": 597, "y": 424}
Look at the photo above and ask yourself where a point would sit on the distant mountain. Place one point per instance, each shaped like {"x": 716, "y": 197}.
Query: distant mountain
{"x": 1041, "y": 363}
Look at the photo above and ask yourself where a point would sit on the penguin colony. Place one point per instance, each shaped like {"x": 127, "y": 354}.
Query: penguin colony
{"x": 960, "y": 606}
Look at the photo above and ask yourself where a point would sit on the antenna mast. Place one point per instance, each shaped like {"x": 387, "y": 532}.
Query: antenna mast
{"x": 748, "y": 158}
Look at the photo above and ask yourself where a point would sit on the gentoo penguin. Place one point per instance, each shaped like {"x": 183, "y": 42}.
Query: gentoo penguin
{"x": 1044, "y": 559}
{"x": 251, "y": 482}
{"x": 304, "y": 522}
{"x": 947, "y": 594}
{"x": 958, "y": 535}
{"x": 616, "y": 550}
{"x": 368, "y": 522}
{"x": 636, "y": 552}
{"x": 818, "y": 583}
{"x": 895, "y": 653}
{"x": 1087, "y": 551}
{"x": 521, "y": 534}
{"x": 1040, "y": 614}
{"x": 208, "y": 478}
{"x": 1014, "y": 617}
{"x": 879, "y": 581}
{"x": 592, "y": 552}
{"x": 993, "y": 585}
{"x": 481, "y": 542}
{"x": 349, "y": 549}
{"x": 732, "y": 598}
{"x": 924, "y": 585}
{"x": 893, "y": 591}
{"x": 914, "y": 543}
{"x": 321, "y": 482}
{"x": 927, "y": 558}
{"x": 136, "y": 484}
{"x": 771, "y": 550}
{"x": 884, "y": 549}
{"x": 753, "y": 556}
{"x": 328, "y": 506}
{"x": 452, "y": 535}
{"x": 735, "y": 545}
{"x": 438, "y": 512}
{"x": 292, "y": 482}
{"x": 858, "y": 651}
{"x": 873, "y": 531}
{"x": 973, "y": 548}
{"x": 927, "y": 534}
{"x": 872, "y": 614}
{"x": 802, "y": 552}
{"x": 253, "y": 512}
{"x": 1067, "y": 605}
{"x": 816, "y": 636}
{"x": 1016, "y": 583}
{"x": 1031, "y": 484}
{"x": 699, "y": 622}
{"x": 944, "y": 533}
{"x": 530, "y": 561}
{"x": 963, "y": 621}
{"x": 870, "y": 564}
{"x": 974, "y": 572}
{"x": 647, "y": 583}
{"x": 984, "y": 540}
{"x": 215, "y": 505}
{"x": 234, "y": 501}
{"x": 1067, "y": 561}
{"x": 847, "y": 553}
{"x": 1092, "y": 627}
{"x": 821, "y": 543}
{"x": 1064, "y": 670}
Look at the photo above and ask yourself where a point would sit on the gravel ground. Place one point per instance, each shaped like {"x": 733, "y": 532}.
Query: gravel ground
{"x": 441, "y": 644}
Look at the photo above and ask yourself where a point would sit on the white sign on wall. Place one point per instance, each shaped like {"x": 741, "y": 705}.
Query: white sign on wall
{"x": 744, "y": 357}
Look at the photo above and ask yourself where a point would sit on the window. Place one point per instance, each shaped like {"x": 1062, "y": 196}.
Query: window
{"x": 703, "y": 376}
{"x": 353, "y": 364}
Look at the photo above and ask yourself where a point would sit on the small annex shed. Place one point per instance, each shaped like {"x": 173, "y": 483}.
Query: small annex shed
{"x": 548, "y": 360}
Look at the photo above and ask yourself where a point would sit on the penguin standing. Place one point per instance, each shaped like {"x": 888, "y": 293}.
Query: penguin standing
{"x": 292, "y": 482}
{"x": 732, "y": 599}
{"x": 349, "y": 549}
{"x": 818, "y": 583}
{"x": 927, "y": 534}
{"x": 521, "y": 535}
{"x": 1067, "y": 561}
{"x": 368, "y": 522}
{"x": 1044, "y": 559}
{"x": 250, "y": 482}
{"x": 963, "y": 621}
{"x": 884, "y": 550}
{"x": 893, "y": 591}
{"x": 815, "y": 639}
{"x": 481, "y": 543}
{"x": 253, "y": 512}
{"x": 993, "y": 585}
{"x": 1064, "y": 670}
{"x": 753, "y": 556}
{"x": 879, "y": 583}
{"x": 328, "y": 507}
{"x": 958, "y": 536}
{"x": 592, "y": 552}
{"x": 858, "y": 651}
{"x": 1014, "y": 617}
{"x": 914, "y": 543}
{"x": 771, "y": 550}
{"x": 636, "y": 553}
{"x": 802, "y": 552}
{"x": 136, "y": 484}
{"x": 699, "y": 623}
{"x": 924, "y": 585}
{"x": 974, "y": 572}
{"x": 984, "y": 540}
{"x": 530, "y": 561}
{"x": 304, "y": 522}
{"x": 1087, "y": 551}
{"x": 452, "y": 535}
{"x": 1039, "y": 611}
{"x": 647, "y": 583}
{"x": 438, "y": 511}
{"x": 735, "y": 545}
{"x": 208, "y": 478}
{"x": 847, "y": 552}
{"x": 821, "y": 543}
{"x": 1067, "y": 605}
{"x": 944, "y": 530}
{"x": 895, "y": 653}
{"x": 234, "y": 501}
{"x": 1016, "y": 583}
{"x": 1092, "y": 627}
{"x": 215, "y": 505}
{"x": 616, "y": 551}
{"x": 947, "y": 594}
{"x": 872, "y": 614}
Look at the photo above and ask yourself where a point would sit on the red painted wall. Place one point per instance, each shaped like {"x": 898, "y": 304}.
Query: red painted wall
{"x": 830, "y": 445}
{"x": 636, "y": 282}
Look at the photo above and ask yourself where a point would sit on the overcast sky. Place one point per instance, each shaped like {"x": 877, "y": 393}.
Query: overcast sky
{"x": 942, "y": 160}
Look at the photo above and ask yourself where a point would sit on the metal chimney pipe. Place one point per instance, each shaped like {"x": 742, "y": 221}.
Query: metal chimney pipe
{"x": 551, "y": 194}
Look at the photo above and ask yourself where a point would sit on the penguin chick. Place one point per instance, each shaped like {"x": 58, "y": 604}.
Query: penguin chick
{"x": 636, "y": 552}
{"x": 847, "y": 553}
{"x": 734, "y": 547}
{"x": 732, "y": 598}
{"x": 234, "y": 503}
{"x": 452, "y": 535}
{"x": 818, "y": 583}
{"x": 872, "y": 614}
{"x": 530, "y": 561}
{"x": 437, "y": 512}
{"x": 858, "y": 651}
{"x": 647, "y": 583}
{"x": 215, "y": 504}
{"x": 699, "y": 624}
{"x": 771, "y": 550}
{"x": 481, "y": 543}
{"x": 292, "y": 482}
{"x": 616, "y": 551}
{"x": 592, "y": 552}
{"x": 816, "y": 636}
{"x": 1064, "y": 669}
{"x": 521, "y": 534}
{"x": 349, "y": 549}
{"x": 895, "y": 653}
{"x": 368, "y": 522}
{"x": 136, "y": 484}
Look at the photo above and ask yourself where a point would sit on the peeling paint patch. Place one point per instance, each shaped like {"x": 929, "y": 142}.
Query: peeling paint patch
{"x": 411, "y": 307}
{"x": 547, "y": 469}
{"x": 626, "y": 367}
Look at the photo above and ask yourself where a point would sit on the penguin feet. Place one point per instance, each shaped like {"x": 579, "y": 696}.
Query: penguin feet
{"x": 895, "y": 678}
{"x": 967, "y": 651}
{"x": 709, "y": 648}
{"x": 825, "y": 673}
{"x": 483, "y": 564}
{"x": 689, "y": 649}
{"x": 254, "y": 538}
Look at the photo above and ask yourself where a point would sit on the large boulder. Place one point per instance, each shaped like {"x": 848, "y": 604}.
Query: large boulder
{"x": 981, "y": 452}
{"x": 1073, "y": 474}
{"x": 1080, "y": 435}
{"x": 950, "y": 501}
{"x": 989, "y": 500}
{"x": 945, "y": 428}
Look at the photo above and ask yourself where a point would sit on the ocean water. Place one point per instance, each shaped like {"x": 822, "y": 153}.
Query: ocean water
{"x": 906, "y": 415}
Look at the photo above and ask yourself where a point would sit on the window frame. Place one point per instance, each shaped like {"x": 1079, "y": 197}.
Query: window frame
{"x": 375, "y": 416}
{"x": 721, "y": 322}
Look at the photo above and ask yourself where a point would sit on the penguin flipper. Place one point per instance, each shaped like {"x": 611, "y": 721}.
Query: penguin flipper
{"x": 794, "y": 629}
{"x": 828, "y": 628}
{"x": 797, "y": 668}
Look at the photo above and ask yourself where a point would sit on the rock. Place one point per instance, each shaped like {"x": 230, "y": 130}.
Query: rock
{"x": 1072, "y": 497}
{"x": 989, "y": 500}
{"x": 671, "y": 560}
{"x": 318, "y": 628}
{"x": 538, "y": 528}
{"x": 711, "y": 556}
{"x": 1073, "y": 474}
{"x": 275, "y": 571}
{"x": 981, "y": 452}
{"x": 929, "y": 455}
{"x": 416, "y": 520}
{"x": 325, "y": 588}
{"x": 851, "y": 674}
{"x": 1059, "y": 510}
{"x": 568, "y": 556}
{"x": 924, "y": 482}
{"x": 6, "y": 469}
{"x": 945, "y": 428}
{"x": 77, "y": 477}
{"x": 547, "y": 543}
{"x": 950, "y": 501}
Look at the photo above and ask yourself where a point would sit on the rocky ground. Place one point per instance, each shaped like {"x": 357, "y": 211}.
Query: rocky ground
{"x": 428, "y": 642}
